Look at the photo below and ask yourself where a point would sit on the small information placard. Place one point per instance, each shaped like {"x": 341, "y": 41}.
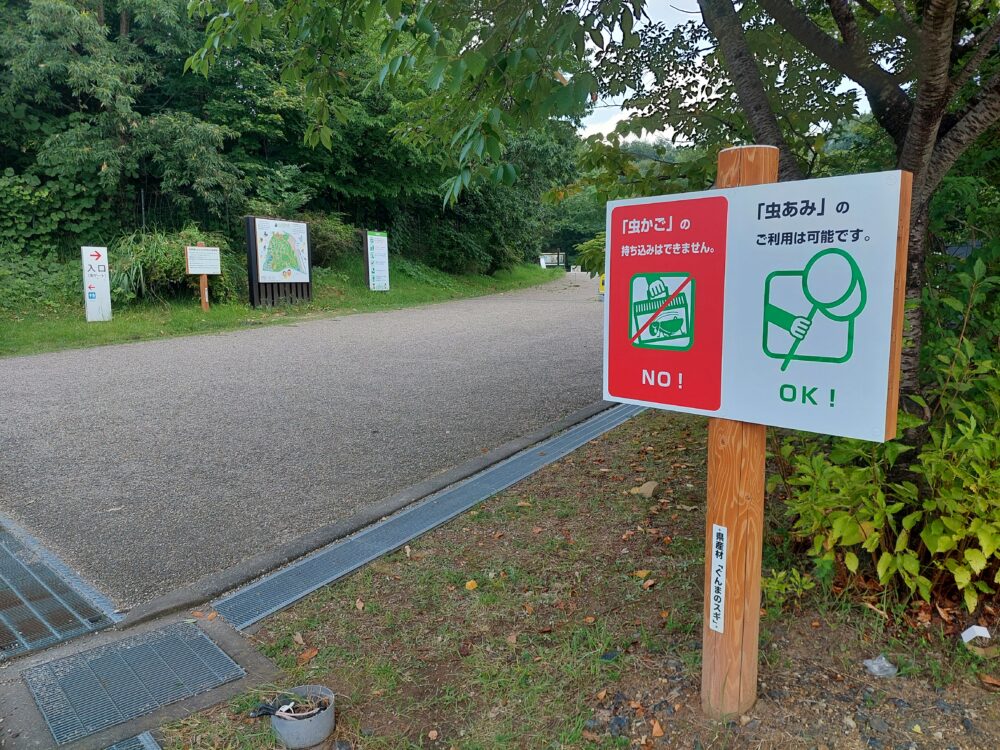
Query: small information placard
{"x": 717, "y": 594}
{"x": 377, "y": 260}
{"x": 96, "y": 283}
{"x": 199, "y": 260}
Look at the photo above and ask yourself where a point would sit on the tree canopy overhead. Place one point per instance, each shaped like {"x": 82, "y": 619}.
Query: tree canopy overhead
{"x": 763, "y": 71}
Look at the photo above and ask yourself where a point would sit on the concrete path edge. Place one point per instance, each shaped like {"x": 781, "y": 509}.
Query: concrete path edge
{"x": 218, "y": 583}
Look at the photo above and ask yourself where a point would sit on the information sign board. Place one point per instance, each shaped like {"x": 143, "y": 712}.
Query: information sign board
{"x": 377, "y": 261}
{"x": 203, "y": 260}
{"x": 282, "y": 250}
{"x": 96, "y": 283}
{"x": 778, "y": 304}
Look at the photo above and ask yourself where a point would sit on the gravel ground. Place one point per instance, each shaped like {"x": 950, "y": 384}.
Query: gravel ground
{"x": 147, "y": 466}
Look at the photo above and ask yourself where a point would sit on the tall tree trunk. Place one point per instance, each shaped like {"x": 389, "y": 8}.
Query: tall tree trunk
{"x": 124, "y": 25}
{"x": 913, "y": 315}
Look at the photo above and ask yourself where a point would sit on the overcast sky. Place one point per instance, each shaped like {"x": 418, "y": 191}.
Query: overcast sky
{"x": 607, "y": 114}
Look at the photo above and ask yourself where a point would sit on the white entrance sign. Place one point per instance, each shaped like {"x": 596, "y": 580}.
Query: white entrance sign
{"x": 199, "y": 260}
{"x": 377, "y": 261}
{"x": 96, "y": 283}
{"x": 812, "y": 303}
{"x": 282, "y": 251}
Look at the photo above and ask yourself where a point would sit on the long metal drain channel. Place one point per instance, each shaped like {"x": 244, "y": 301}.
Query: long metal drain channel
{"x": 274, "y": 592}
{"x": 82, "y": 694}
{"x": 41, "y": 601}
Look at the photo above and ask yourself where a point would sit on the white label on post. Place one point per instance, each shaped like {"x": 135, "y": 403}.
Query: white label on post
{"x": 717, "y": 593}
{"x": 96, "y": 283}
{"x": 378, "y": 261}
{"x": 201, "y": 260}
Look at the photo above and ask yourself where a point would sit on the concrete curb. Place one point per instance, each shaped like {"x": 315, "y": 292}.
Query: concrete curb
{"x": 214, "y": 584}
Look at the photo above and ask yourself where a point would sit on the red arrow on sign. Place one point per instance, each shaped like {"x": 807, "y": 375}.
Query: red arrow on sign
{"x": 95, "y": 255}
{"x": 91, "y": 286}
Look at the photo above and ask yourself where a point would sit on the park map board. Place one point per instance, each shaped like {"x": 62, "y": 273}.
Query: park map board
{"x": 278, "y": 260}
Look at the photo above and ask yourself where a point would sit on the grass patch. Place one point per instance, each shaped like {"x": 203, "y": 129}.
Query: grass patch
{"x": 560, "y": 645}
{"x": 336, "y": 291}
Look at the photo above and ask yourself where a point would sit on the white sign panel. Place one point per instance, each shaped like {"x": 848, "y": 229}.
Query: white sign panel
{"x": 808, "y": 324}
{"x": 96, "y": 283}
{"x": 203, "y": 260}
{"x": 378, "y": 261}
{"x": 717, "y": 574}
{"x": 282, "y": 251}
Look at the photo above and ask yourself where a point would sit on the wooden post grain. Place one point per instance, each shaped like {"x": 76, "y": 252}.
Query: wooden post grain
{"x": 736, "y": 503}
{"x": 203, "y": 286}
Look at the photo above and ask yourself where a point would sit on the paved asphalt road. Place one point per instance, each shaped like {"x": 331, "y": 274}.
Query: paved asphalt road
{"x": 147, "y": 466}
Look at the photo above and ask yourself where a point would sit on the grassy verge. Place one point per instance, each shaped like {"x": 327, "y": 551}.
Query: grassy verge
{"x": 338, "y": 290}
{"x": 566, "y": 613}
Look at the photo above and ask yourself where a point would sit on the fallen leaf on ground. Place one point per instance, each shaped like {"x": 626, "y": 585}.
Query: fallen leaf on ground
{"x": 664, "y": 613}
{"x": 498, "y": 535}
{"x": 407, "y": 550}
{"x": 648, "y": 584}
{"x": 814, "y": 624}
{"x": 523, "y": 504}
{"x": 198, "y": 613}
{"x": 212, "y": 616}
{"x": 590, "y": 620}
{"x": 602, "y": 694}
{"x": 432, "y": 735}
{"x": 297, "y": 637}
{"x": 590, "y": 736}
{"x": 512, "y": 639}
{"x": 537, "y": 530}
{"x": 528, "y": 609}
{"x": 657, "y": 729}
{"x": 990, "y": 682}
{"x": 686, "y": 507}
{"x": 306, "y": 656}
{"x": 471, "y": 585}
{"x": 465, "y": 649}
{"x": 359, "y": 605}
{"x": 642, "y": 573}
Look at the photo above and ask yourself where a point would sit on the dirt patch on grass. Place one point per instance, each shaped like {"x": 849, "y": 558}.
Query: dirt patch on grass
{"x": 566, "y": 613}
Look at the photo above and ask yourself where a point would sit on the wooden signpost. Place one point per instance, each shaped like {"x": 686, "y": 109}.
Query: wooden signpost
{"x": 735, "y": 503}
{"x": 759, "y": 303}
{"x": 202, "y": 261}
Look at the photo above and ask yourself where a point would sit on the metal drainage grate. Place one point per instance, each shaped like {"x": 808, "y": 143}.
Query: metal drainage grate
{"x": 266, "y": 596}
{"x": 144, "y": 741}
{"x": 87, "y": 692}
{"x": 40, "y": 603}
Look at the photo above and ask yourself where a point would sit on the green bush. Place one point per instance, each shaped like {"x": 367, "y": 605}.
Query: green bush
{"x": 150, "y": 265}
{"x": 37, "y": 216}
{"x": 590, "y": 254}
{"x": 330, "y": 239}
{"x": 933, "y": 525}
{"x": 37, "y": 282}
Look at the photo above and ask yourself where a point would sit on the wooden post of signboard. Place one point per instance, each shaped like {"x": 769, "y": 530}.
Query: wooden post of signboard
{"x": 203, "y": 286}
{"x": 736, "y": 504}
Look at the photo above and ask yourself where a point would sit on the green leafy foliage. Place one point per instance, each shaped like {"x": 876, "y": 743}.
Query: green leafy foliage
{"x": 330, "y": 239}
{"x": 590, "y": 254}
{"x": 151, "y": 265}
{"x": 785, "y": 588}
{"x": 930, "y": 525}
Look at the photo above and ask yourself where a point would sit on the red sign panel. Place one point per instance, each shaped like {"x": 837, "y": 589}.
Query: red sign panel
{"x": 666, "y": 283}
